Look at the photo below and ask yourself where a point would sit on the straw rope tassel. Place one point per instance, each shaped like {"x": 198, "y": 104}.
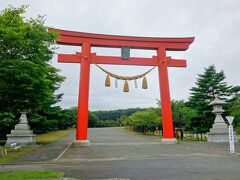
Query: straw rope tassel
{"x": 125, "y": 88}
{"x": 144, "y": 83}
{"x": 107, "y": 81}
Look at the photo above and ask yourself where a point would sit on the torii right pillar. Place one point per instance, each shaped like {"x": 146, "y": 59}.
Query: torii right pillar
{"x": 167, "y": 122}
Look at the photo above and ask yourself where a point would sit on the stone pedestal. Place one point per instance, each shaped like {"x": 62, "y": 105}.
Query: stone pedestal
{"x": 22, "y": 135}
{"x": 169, "y": 141}
{"x": 81, "y": 143}
{"x": 219, "y": 130}
{"x": 219, "y": 133}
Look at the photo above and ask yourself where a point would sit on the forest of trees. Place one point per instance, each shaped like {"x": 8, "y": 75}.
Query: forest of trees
{"x": 110, "y": 118}
{"x": 28, "y": 82}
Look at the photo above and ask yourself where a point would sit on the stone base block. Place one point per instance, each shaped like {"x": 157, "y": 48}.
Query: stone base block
{"x": 169, "y": 141}
{"x": 22, "y": 132}
{"x": 81, "y": 142}
{"x": 22, "y": 127}
{"x": 23, "y": 141}
{"x": 218, "y": 137}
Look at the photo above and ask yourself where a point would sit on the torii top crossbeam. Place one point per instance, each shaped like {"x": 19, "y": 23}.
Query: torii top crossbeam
{"x": 88, "y": 40}
{"x": 102, "y": 40}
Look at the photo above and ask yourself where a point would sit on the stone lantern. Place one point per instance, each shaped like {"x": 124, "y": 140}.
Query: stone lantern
{"x": 22, "y": 135}
{"x": 219, "y": 130}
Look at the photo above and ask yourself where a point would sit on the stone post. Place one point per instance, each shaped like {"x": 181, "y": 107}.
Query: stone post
{"x": 231, "y": 134}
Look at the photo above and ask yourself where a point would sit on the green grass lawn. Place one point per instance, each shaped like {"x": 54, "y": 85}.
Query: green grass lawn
{"x": 41, "y": 139}
{"x": 52, "y": 136}
{"x": 11, "y": 155}
{"x": 19, "y": 175}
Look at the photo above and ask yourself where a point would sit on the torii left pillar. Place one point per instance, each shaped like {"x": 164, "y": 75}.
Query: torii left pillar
{"x": 82, "y": 117}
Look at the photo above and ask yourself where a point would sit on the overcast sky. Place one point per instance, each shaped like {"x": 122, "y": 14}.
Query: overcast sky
{"x": 215, "y": 24}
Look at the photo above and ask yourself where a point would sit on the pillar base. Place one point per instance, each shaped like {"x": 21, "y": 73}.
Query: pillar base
{"x": 169, "y": 141}
{"x": 81, "y": 142}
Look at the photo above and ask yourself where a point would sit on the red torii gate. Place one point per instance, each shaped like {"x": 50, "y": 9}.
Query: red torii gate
{"x": 88, "y": 40}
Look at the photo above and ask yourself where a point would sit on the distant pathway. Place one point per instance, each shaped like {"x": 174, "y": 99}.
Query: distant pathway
{"x": 119, "y": 144}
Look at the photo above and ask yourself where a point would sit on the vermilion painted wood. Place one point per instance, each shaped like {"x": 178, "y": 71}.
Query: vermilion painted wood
{"x": 118, "y": 38}
{"x": 72, "y": 58}
{"x": 87, "y": 40}
{"x": 78, "y": 38}
{"x": 82, "y": 118}
{"x": 69, "y": 58}
{"x": 167, "y": 122}
{"x": 109, "y": 60}
{"x": 177, "y": 63}
{"x": 118, "y": 60}
{"x": 75, "y": 41}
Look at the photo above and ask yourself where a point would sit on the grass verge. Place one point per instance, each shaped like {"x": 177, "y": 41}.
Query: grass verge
{"x": 41, "y": 174}
{"x": 41, "y": 139}
{"x": 11, "y": 155}
{"x": 51, "y": 136}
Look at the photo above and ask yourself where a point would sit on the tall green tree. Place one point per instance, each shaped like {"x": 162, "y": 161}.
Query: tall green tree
{"x": 182, "y": 115}
{"x": 177, "y": 106}
{"x": 27, "y": 78}
{"x": 208, "y": 85}
{"x": 28, "y": 81}
{"x": 234, "y": 109}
